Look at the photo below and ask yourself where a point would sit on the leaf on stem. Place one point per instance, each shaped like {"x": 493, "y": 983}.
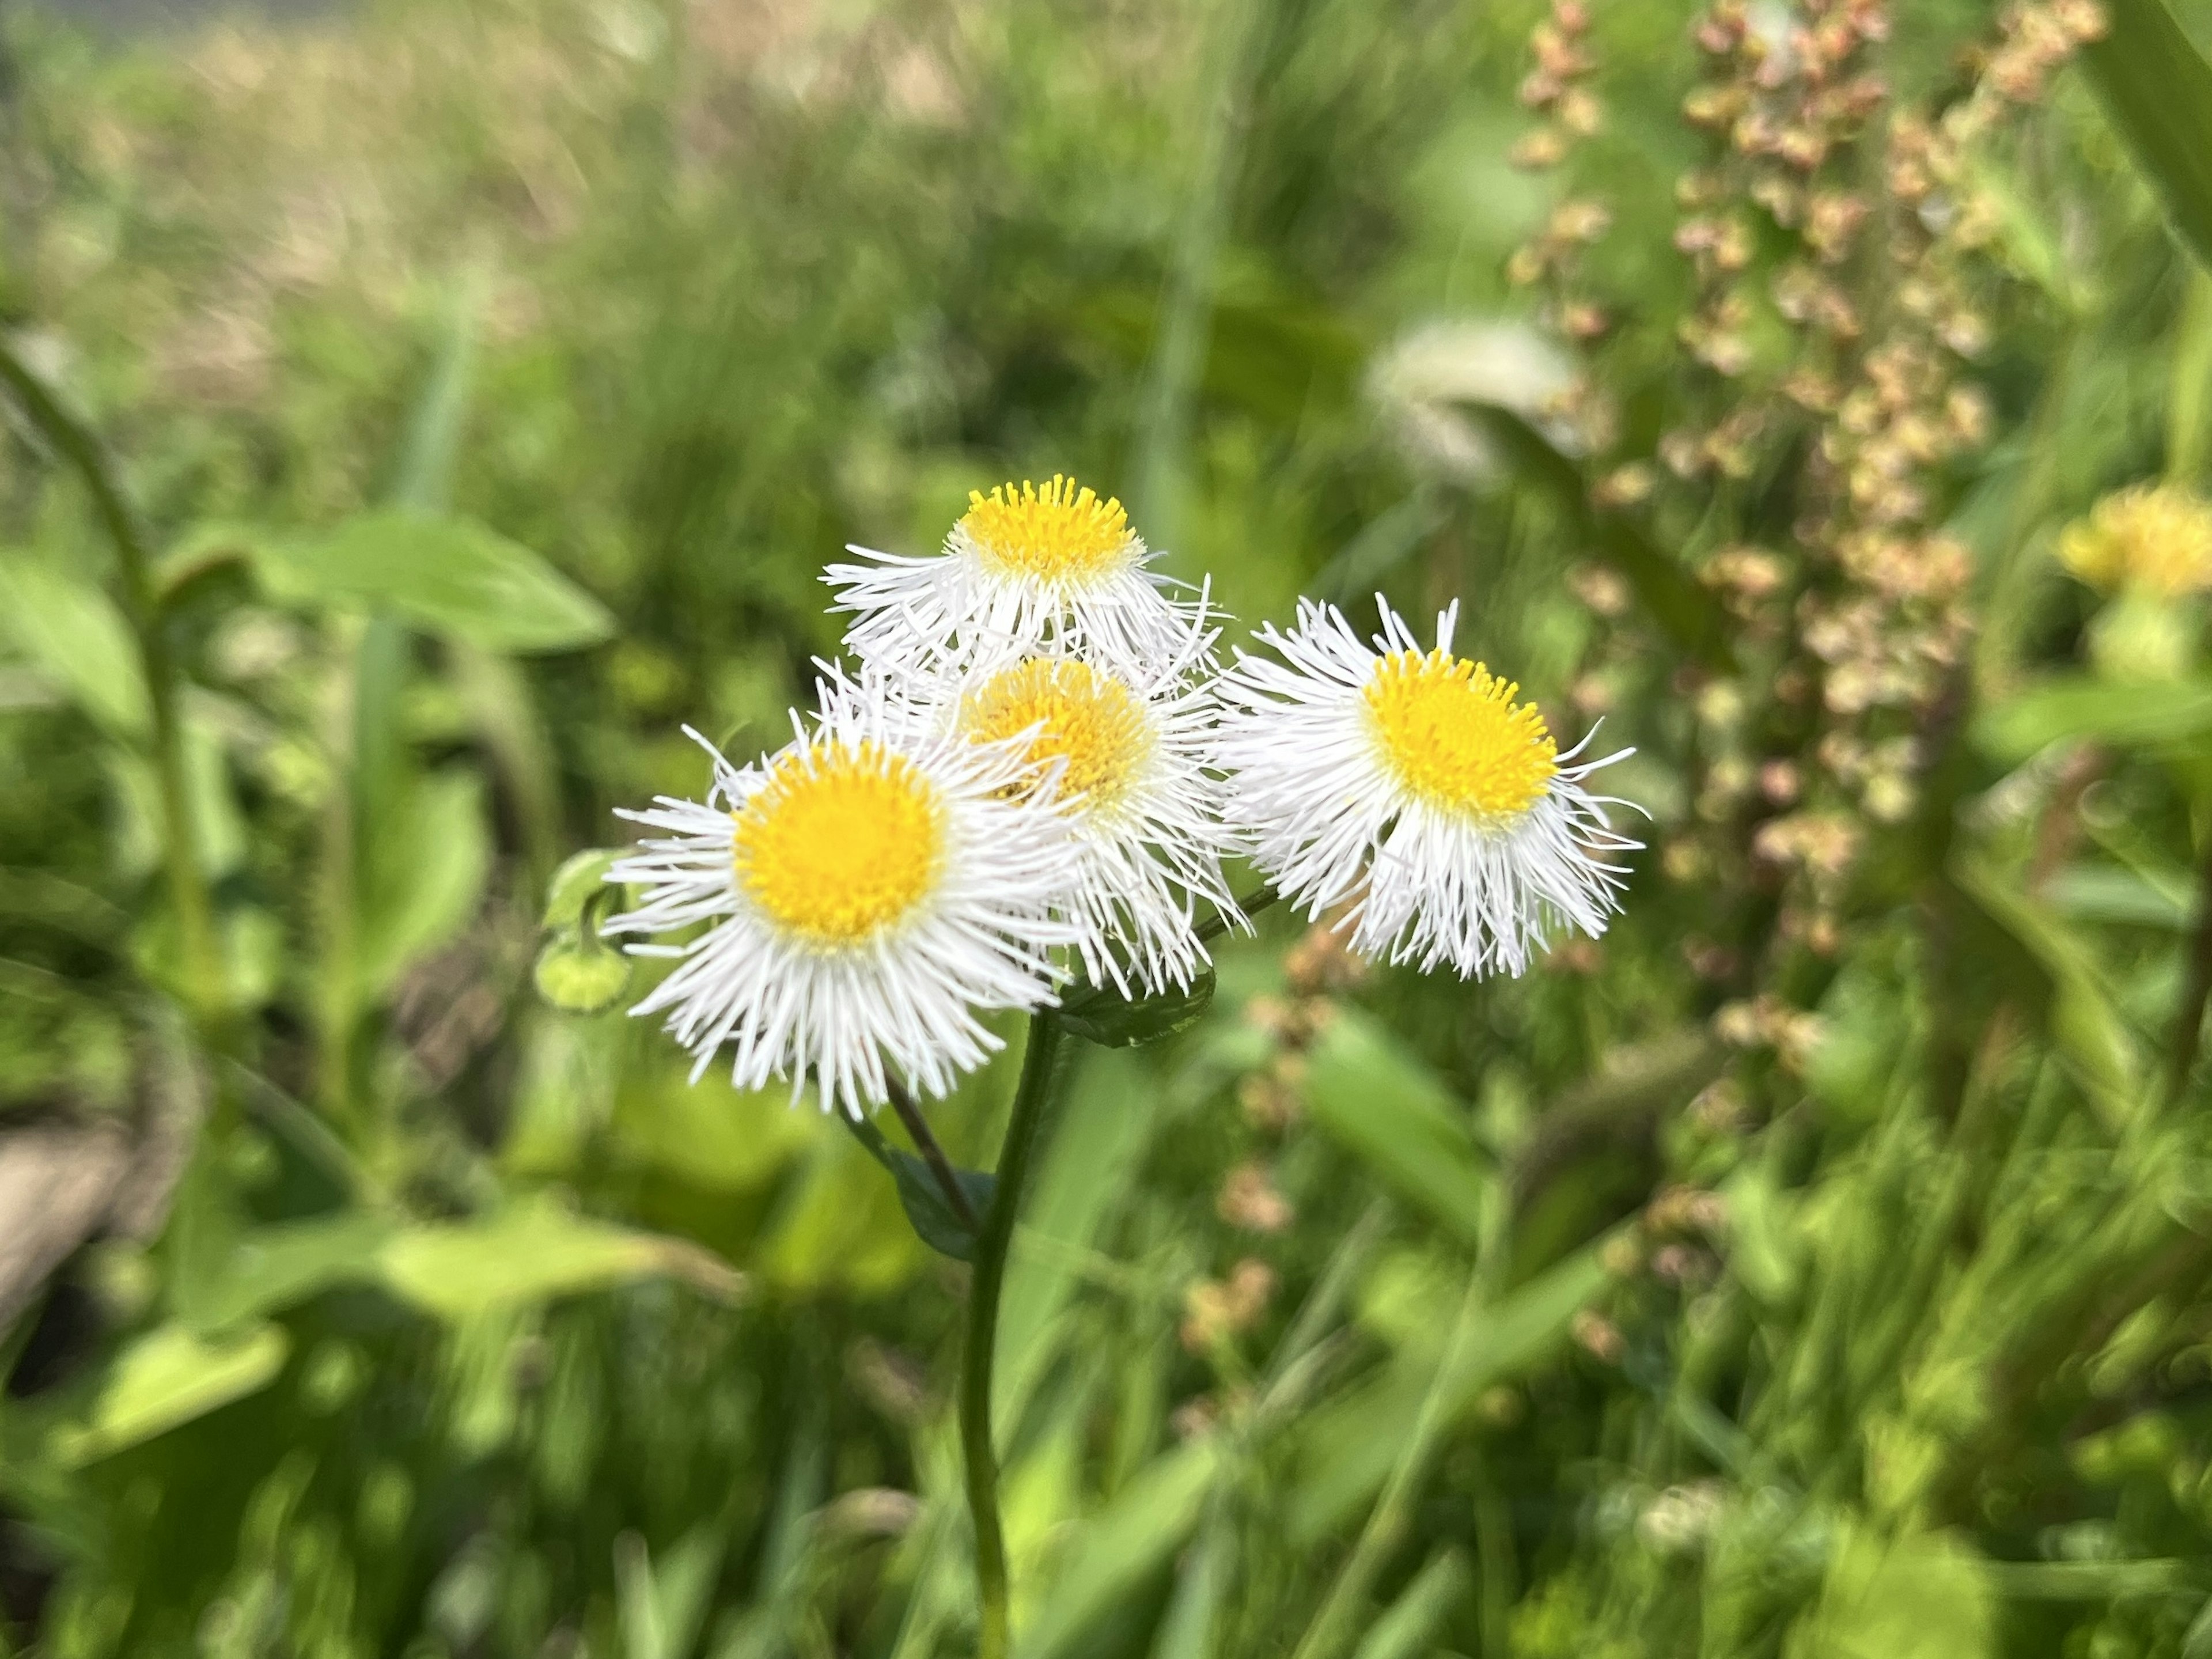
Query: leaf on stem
{"x": 934, "y": 1218}
{"x": 1102, "y": 1015}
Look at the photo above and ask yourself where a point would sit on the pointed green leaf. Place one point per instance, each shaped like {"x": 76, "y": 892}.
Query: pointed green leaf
{"x": 2157, "y": 87}
{"x": 165, "y": 1378}
{"x": 1104, "y": 1016}
{"x": 268, "y": 1269}
{"x": 934, "y": 1218}
{"x": 2082, "y": 706}
{"x": 450, "y": 575}
{"x": 530, "y": 1254}
{"x": 1388, "y": 1110}
{"x": 76, "y": 636}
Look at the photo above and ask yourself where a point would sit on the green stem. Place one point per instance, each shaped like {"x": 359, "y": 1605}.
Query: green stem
{"x": 2197, "y": 988}
{"x": 940, "y": 1167}
{"x": 1217, "y": 924}
{"x": 77, "y": 444}
{"x": 988, "y": 1278}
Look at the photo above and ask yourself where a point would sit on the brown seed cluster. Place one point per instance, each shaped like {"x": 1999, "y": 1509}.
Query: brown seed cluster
{"x": 1838, "y": 244}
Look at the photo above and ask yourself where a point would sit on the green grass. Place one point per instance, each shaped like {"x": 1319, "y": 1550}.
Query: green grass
{"x": 1817, "y": 1267}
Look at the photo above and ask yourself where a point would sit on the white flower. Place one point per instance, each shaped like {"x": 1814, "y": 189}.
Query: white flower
{"x": 1412, "y": 783}
{"x": 1122, "y": 748}
{"x": 1053, "y": 567}
{"x": 868, "y": 890}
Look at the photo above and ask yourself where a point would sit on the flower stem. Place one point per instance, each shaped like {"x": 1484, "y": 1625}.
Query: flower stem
{"x": 940, "y": 1167}
{"x": 976, "y": 1369}
{"x": 78, "y": 445}
{"x": 1250, "y": 905}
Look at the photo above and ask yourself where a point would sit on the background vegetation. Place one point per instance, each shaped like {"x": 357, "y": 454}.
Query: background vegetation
{"x": 1821, "y": 1266}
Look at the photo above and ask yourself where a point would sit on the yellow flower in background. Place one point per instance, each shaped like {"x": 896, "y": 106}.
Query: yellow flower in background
{"x": 2153, "y": 538}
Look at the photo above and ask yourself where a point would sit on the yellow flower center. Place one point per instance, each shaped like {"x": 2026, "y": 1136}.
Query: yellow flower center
{"x": 2154, "y": 537}
{"x": 840, "y": 845}
{"x": 1453, "y": 735}
{"x": 1056, "y": 533}
{"x": 1073, "y": 712}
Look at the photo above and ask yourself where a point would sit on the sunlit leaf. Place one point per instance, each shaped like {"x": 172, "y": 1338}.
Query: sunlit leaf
{"x": 1922, "y": 1596}
{"x": 446, "y": 575}
{"x": 425, "y": 870}
{"x": 2080, "y": 707}
{"x": 532, "y": 1253}
{"x": 165, "y": 1378}
{"x": 73, "y": 631}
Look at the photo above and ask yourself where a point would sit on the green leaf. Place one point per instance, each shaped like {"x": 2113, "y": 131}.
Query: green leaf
{"x": 2157, "y": 89}
{"x": 450, "y": 575}
{"x": 1104, "y": 1016}
{"x": 934, "y": 1220}
{"x": 2127, "y": 898}
{"x": 1922, "y": 1597}
{"x": 533, "y": 1253}
{"x": 268, "y": 1269}
{"x": 425, "y": 870}
{"x": 73, "y": 631}
{"x": 1408, "y": 1625}
{"x": 1400, "y": 1121}
{"x": 167, "y": 1378}
{"x": 2091, "y": 1035}
{"x": 580, "y": 877}
{"x": 2078, "y": 706}
{"x": 1346, "y": 1449}
{"x": 1116, "y": 1549}
{"x": 578, "y": 975}
{"x": 1684, "y": 611}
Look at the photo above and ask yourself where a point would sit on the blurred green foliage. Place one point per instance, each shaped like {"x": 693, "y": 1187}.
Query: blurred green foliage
{"x": 495, "y": 379}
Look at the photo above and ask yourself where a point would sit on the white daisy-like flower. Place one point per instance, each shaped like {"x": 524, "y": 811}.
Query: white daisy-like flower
{"x": 868, "y": 890}
{"x": 1055, "y": 568}
{"x": 1122, "y": 748}
{"x": 1413, "y": 784}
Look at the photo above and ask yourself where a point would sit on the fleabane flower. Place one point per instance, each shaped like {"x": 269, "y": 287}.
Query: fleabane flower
{"x": 1054, "y": 568}
{"x": 1120, "y": 748}
{"x": 866, "y": 892}
{"x": 1413, "y": 784}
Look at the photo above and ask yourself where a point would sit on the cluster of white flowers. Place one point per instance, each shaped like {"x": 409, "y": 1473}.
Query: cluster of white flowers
{"x": 1036, "y": 764}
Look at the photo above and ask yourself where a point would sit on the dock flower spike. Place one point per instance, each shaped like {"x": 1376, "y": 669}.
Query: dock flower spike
{"x": 866, "y": 890}
{"x": 1413, "y": 784}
